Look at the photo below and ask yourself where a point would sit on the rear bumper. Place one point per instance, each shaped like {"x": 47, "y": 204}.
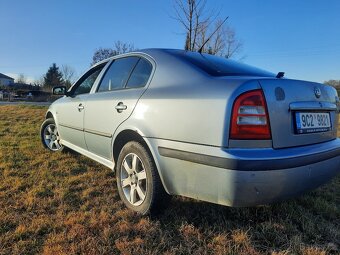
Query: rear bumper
{"x": 260, "y": 159}
{"x": 249, "y": 188}
{"x": 245, "y": 177}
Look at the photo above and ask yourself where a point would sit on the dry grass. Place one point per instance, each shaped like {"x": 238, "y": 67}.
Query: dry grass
{"x": 63, "y": 203}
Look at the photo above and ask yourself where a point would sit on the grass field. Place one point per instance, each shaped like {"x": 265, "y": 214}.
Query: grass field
{"x": 64, "y": 203}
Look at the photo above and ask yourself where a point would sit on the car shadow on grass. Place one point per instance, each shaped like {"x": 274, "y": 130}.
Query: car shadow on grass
{"x": 310, "y": 221}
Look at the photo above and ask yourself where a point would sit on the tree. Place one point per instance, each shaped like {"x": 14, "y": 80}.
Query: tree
{"x": 53, "y": 77}
{"x": 101, "y": 54}
{"x": 199, "y": 24}
{"x": 21, "y": 79}
{"x": 39, "y": 82}
{"x": 104, "y": 53}
{"x": 68, "y": 73}
{"x": 334, "y": 83}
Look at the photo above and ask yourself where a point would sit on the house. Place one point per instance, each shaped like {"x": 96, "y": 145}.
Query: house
{"x": 5, "y": 80}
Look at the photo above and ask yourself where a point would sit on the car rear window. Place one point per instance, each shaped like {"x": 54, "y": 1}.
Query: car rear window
{"x": 219, "y": 66}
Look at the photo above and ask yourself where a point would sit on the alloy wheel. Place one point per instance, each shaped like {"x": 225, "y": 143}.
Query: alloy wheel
{"x": 133, "y": 179}
{"x": 51, "y": 137}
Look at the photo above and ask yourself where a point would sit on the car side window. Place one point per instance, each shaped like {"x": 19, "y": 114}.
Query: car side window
{"x": 140, "y": 74}
{"x": 117, "y": 74}
{"x": 85, "y": 86}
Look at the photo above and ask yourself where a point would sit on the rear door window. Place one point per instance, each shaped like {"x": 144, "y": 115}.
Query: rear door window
{"x": 118, "y": 74}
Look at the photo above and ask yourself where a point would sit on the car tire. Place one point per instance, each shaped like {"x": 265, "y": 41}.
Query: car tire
{"x": 49, "y": 136}
{"x": 138, "y": 181}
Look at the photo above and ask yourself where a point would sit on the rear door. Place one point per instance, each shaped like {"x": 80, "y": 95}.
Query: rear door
{"x": 300, "y": 112}
{"x": 113, "y": 101}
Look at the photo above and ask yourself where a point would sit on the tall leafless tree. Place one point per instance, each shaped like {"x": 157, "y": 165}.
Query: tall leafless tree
{"x": 68, "y": 74}
{"x": 199, "y": 24}
{"x": 192, "y": 16}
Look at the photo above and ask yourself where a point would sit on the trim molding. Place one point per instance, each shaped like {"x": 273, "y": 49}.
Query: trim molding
{"x": 87, "y": 130}
{"x": 248, "y": 165}
{"x": 97, "y": 133}
{"x": 72, "y": 127}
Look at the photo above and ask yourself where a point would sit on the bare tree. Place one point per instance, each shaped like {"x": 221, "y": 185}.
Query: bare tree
{"x": 39, "y": 82}
{"x": 233, "y": 45}
{"x": 122, "y": 47}
{"x": 192, "y": 16}
{"x": 224, "y": 42}
{"x": 104, "y": 53}
{"x": 199, "y": 24}
{"x": 21, "y": 79}
{"x": 334, "y": 83}
{"x": 101, "y": 54}
{"x": 68, "y": 74}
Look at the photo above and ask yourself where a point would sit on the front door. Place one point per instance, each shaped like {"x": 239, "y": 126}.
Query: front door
{"x": 70, "y": 110}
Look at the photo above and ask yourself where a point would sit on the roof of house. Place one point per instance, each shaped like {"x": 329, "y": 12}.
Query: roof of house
{"x": 5, "y": 77}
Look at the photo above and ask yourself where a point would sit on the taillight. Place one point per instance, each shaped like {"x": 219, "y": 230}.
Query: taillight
{"x": 250, "y": 117}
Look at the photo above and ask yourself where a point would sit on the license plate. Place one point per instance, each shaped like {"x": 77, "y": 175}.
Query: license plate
{"x": 312, "y": 122}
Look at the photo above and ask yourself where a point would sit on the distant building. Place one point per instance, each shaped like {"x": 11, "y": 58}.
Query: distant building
{"x": 5, "y": 80}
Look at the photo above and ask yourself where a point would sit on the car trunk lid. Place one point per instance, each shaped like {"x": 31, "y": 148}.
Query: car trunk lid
{"x": 286, "y": 98}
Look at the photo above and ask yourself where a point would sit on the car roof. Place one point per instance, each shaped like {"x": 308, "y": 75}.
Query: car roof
{"x": 200, "y": 63}
{"x": 152, "y": 52}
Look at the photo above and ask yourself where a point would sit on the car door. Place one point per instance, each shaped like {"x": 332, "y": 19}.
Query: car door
{"x": 113, "y": 101}
{"x": 70, "y": 110}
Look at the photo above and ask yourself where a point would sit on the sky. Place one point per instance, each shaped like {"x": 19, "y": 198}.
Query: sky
{"x": 300, "y": 38}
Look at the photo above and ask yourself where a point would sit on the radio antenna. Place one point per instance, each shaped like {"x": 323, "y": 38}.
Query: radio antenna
{"x": 219, "y": 26}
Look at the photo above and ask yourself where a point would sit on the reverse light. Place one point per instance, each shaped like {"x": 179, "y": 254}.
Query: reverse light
{"x": 250, "y": 117}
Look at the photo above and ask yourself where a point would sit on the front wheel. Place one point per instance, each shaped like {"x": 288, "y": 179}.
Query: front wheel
{"x": 138, "y": 182}
{"x": 50, "y": 136}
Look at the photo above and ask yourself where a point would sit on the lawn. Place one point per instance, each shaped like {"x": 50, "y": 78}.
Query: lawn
{"x": 64, "y": 203}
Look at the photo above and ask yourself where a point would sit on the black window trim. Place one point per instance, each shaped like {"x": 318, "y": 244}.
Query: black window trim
{"x": 124, "y": 87}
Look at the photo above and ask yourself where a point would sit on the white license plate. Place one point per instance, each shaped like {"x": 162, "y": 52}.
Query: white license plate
{"x": 311, "y": 122}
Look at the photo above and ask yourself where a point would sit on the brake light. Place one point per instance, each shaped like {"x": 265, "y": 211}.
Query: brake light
{"x": 250, "y": 117}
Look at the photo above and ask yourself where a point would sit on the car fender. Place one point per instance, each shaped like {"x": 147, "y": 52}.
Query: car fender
{"x": 127, "y": 125}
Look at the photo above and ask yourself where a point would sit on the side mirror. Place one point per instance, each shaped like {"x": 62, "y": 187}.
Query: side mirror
{"x": 59, "y": 90}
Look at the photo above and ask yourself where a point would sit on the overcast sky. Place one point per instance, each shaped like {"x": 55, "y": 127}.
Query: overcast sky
{"x": 301, "y": 38}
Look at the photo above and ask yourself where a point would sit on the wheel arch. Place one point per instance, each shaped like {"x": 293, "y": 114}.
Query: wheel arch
{"x": 129, "y": 135}
{"x": 49, "y": 114}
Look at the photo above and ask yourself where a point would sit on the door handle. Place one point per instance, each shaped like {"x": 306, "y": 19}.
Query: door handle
{"x": 80, "y": 107}
{"x": 120, "y": 107}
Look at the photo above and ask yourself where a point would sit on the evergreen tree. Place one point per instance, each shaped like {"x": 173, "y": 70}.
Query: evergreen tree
{"x": 53, "y": 77}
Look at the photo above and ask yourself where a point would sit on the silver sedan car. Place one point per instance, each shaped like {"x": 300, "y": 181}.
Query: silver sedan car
{"x": 174, "y": 122}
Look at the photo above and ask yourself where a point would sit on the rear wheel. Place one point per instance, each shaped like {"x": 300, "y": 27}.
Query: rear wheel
{"x": 138, "y": 182}
{"x": 50, "y": 136}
